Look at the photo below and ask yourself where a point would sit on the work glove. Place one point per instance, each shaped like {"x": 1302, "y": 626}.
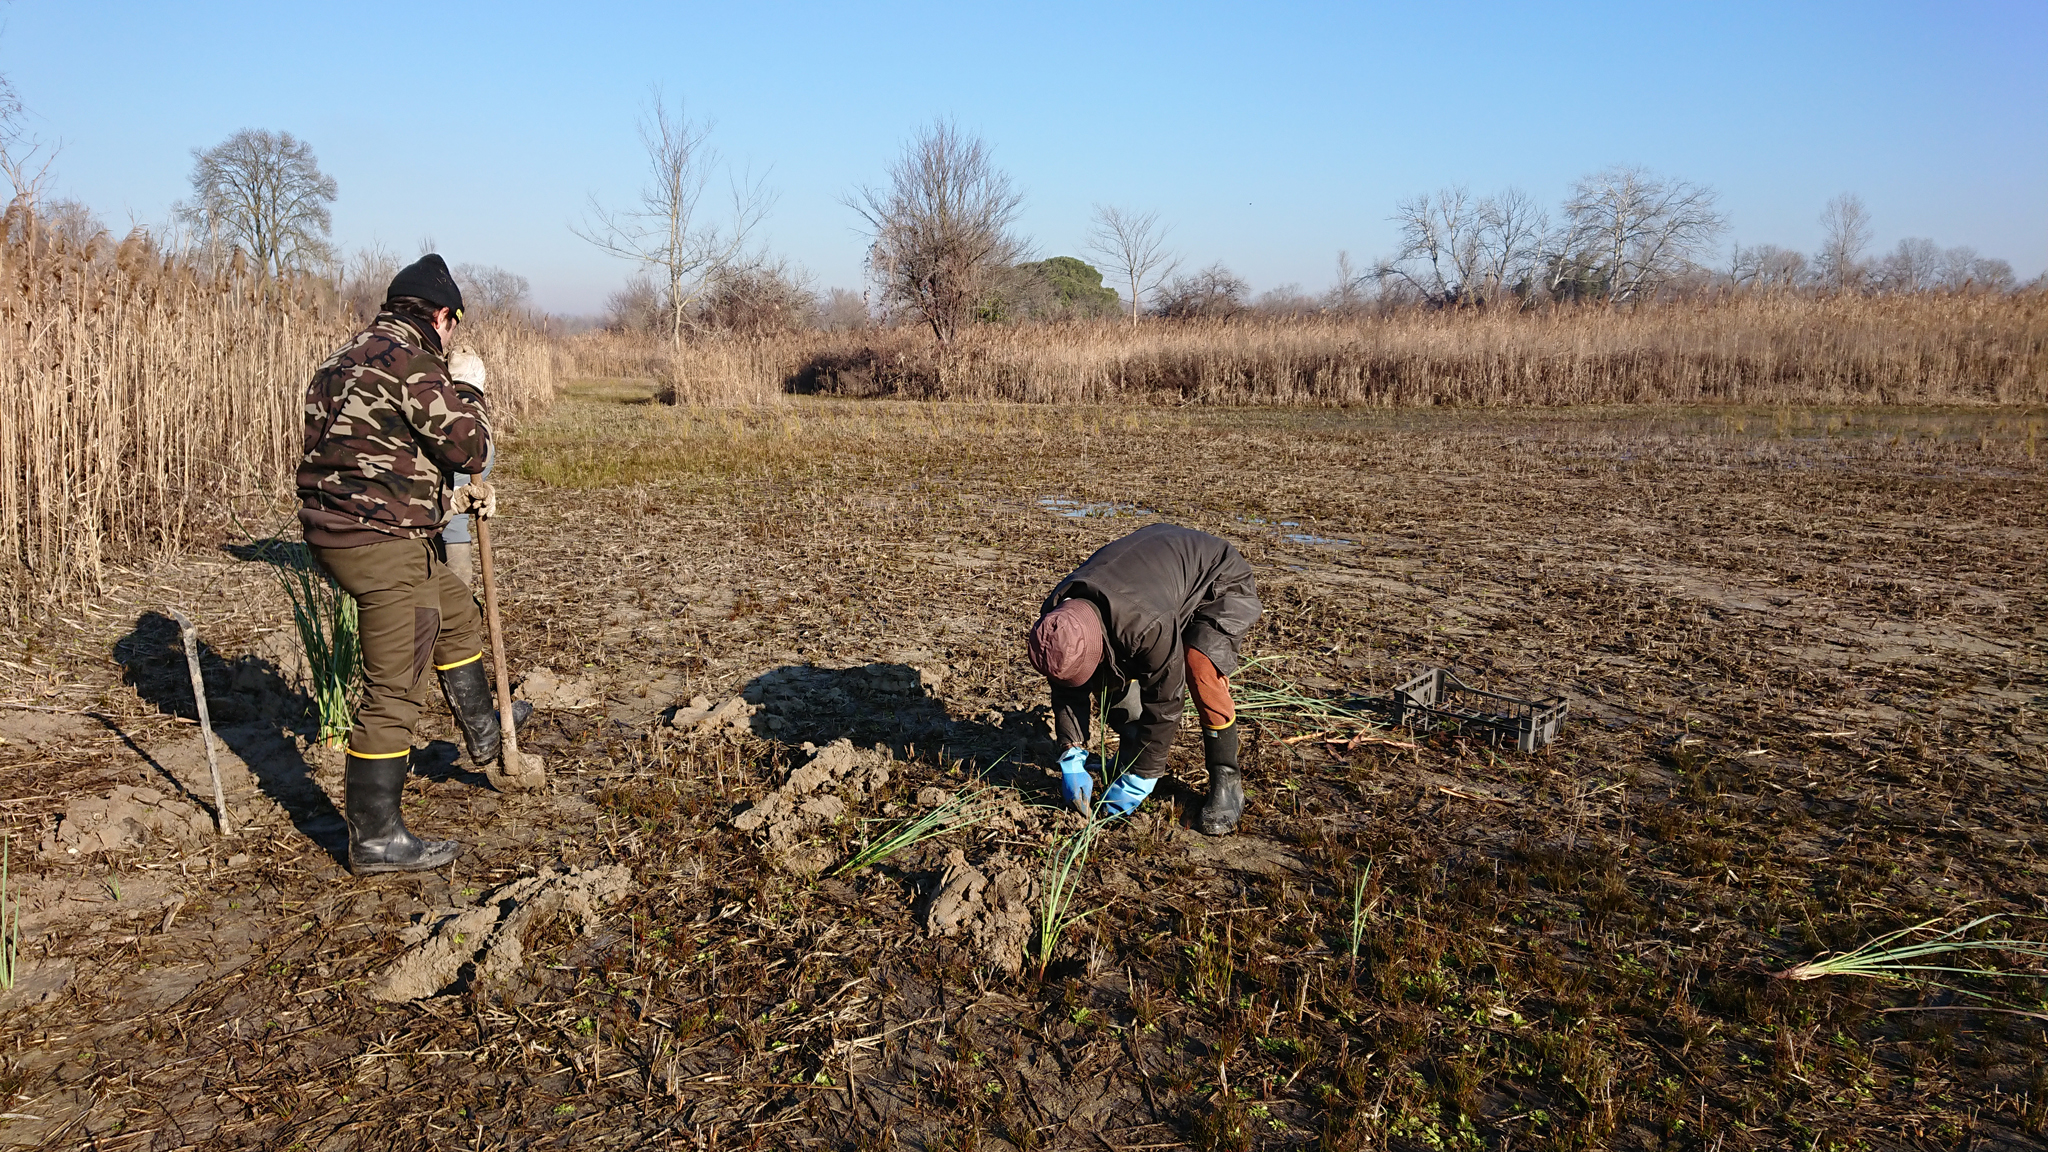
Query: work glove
{"x": 1124, "y": 796}
{"x": 476, "y": 498}
{"x": 465, "y": 365}
{"x": 1077, "y": 778}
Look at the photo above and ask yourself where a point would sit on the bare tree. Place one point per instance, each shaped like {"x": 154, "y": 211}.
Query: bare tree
{"x": 1960, "y": 269}
{"x": 635, "y": 308}
{"x": 1132, "y": 246}
{"x": 1641, "y": 229}
{"x": 940, "y": 231}
{"x": 1911, "y": 267}
{"x": 487, "y": 288}
{"x": 665, "y": 232}
{"x": 1287, "y": 300}
{"x": 1510, "y": 239}
{"x": 364, "y": 276}
{"x": 18, "y": 152}
{"x": 263, "y": 193}
{"x": 1211, "y": 293}
{"x": 1767, "y": 267}
{"x": 70, "y": 223}
{"x": 1347, "y": 295}
{"x": 1439, "y": 244}
{"x": 1845, "y": 233}
{"x": 759, "y": 298}
{"x": 843, "y": 309}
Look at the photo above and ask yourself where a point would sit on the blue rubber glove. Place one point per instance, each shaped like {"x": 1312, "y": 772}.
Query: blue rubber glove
{"x": 1077, "y": 783}
{"x": 1124, "y": 796}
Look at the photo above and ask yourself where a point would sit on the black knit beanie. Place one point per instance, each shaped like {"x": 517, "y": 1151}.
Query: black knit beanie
{"x": 428, "y": 278}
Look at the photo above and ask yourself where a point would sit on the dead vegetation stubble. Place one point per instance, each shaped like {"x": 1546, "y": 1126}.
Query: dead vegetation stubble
{"x": 1805, "y": 661}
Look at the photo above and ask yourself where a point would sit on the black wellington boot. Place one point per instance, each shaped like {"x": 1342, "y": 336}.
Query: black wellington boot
{"x": 469, "y": 696}
{"x": 1225, "y": 804}
{"x": 377, "y": 837}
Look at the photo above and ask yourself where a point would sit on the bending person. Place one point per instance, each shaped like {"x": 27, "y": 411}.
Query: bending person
{"x": 1149, "y": 617}
{"x": 387, "y": 422}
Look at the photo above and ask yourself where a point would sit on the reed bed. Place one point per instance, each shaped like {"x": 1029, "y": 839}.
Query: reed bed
{"x": 1930, "y": 349}
{"x": 146, "y": 396}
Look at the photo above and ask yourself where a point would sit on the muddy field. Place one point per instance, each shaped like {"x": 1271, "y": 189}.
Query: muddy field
{"x": 1804, "y": 654}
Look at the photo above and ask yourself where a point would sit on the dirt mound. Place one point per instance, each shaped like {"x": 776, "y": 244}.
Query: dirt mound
{"x": 45, "y": 729}
{"x": 990, "y": 905}
{"x": 484, "y": 942}
{"x": 265, "y": 774}
{"x": 700, "y": 717}
{"x": 543, "y": 689}
{"x": 128, "y": 817}
{"x": 815, "y": 795}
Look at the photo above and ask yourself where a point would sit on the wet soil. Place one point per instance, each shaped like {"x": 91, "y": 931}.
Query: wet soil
{"x": 1806, "y": 673}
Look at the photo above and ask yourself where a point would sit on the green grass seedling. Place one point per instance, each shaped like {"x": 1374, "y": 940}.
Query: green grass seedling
{"x": 10, "y": 919}
{"x": 1885, "y": 958}
{"x": 1361, "y": 912}
{"x": 1062, "y": 880}
{"x": 1282, "y": 704}
{"x": 329, "y": 634}
{"x": 963, "y": 811}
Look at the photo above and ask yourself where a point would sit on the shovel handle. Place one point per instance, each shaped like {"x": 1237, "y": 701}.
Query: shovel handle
{"x": 508, "y": 755}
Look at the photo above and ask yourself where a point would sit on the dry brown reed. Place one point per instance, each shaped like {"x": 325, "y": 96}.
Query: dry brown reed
{"x": 144, "y": 396}
{"x": 1737, "y": 350}
{"x": 712, "y": 370}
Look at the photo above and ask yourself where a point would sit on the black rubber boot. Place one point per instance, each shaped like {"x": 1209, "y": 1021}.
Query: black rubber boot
{"x": 377, "y": 837}
{"x": 1220, "y": 812}
{"x": 469, "y": 696}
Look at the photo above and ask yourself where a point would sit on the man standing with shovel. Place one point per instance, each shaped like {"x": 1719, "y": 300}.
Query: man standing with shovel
{"x": 1149, "y": 617}
{"x": 390, "y": 418}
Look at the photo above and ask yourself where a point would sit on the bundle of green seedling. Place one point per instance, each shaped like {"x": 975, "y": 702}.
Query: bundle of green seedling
{"x": 329, "y": 634}
{"x": 1892, "y": 958}
{"x": 1061, "y": 884}
{"x": 1262, "y": 695}
{"x": 966, "y": 810}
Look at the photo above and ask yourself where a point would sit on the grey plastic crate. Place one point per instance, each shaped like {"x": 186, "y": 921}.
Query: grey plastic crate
{"x": 1436, "y": 695}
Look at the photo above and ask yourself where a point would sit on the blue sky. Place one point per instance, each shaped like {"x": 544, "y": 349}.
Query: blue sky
{"x": 1269, "y": 136}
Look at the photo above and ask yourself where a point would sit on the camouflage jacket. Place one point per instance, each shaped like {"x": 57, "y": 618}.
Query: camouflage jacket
{"x": 385, "y": 428}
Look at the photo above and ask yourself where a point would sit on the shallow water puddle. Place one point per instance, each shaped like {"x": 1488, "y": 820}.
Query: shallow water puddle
{"x": 1298, "y": 537}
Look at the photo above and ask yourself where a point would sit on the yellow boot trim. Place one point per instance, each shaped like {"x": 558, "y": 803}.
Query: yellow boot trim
{"x": 459, "y": 663}
{"x": 1225, "y": 728}
{"x": 378, "y": 755}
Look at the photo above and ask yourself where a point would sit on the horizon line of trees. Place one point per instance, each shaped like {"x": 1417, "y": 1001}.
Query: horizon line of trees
{"x": 944, "y": 253}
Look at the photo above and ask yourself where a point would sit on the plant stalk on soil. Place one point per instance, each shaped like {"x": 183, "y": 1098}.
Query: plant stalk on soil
{"x": 1283, "y": 704}
{"x": 1062, "y": 880}
{"x": 963, "y": 811}
{"x": 1886, "y": 959}
{"x": 1360, "y": 910}
{"x": 327, "y": 623}
{"x": 10, "y": 919}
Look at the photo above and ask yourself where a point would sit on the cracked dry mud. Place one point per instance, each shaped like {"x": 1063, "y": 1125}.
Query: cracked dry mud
{"x": 1806, "y": 673}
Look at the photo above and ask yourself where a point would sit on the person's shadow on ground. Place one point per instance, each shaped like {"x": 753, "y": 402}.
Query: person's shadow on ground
{"x": 893, "y": 705}
{"x": 256, "y": 711}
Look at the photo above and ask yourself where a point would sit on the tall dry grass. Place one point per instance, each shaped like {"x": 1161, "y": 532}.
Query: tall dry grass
{"x": 142, "y": 399}
{"x": 710, "y": 370}
{"x": 1737, "y": 350}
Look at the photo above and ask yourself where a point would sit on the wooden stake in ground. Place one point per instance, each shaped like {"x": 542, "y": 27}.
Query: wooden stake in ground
{"x": 512, "y": 771}
{"x": 220, "y": 800}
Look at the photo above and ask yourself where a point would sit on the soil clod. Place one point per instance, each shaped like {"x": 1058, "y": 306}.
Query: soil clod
{"x": 990, "y": 905}
{"x": 486, "y": 941}
{"x": 814, "y": 796}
